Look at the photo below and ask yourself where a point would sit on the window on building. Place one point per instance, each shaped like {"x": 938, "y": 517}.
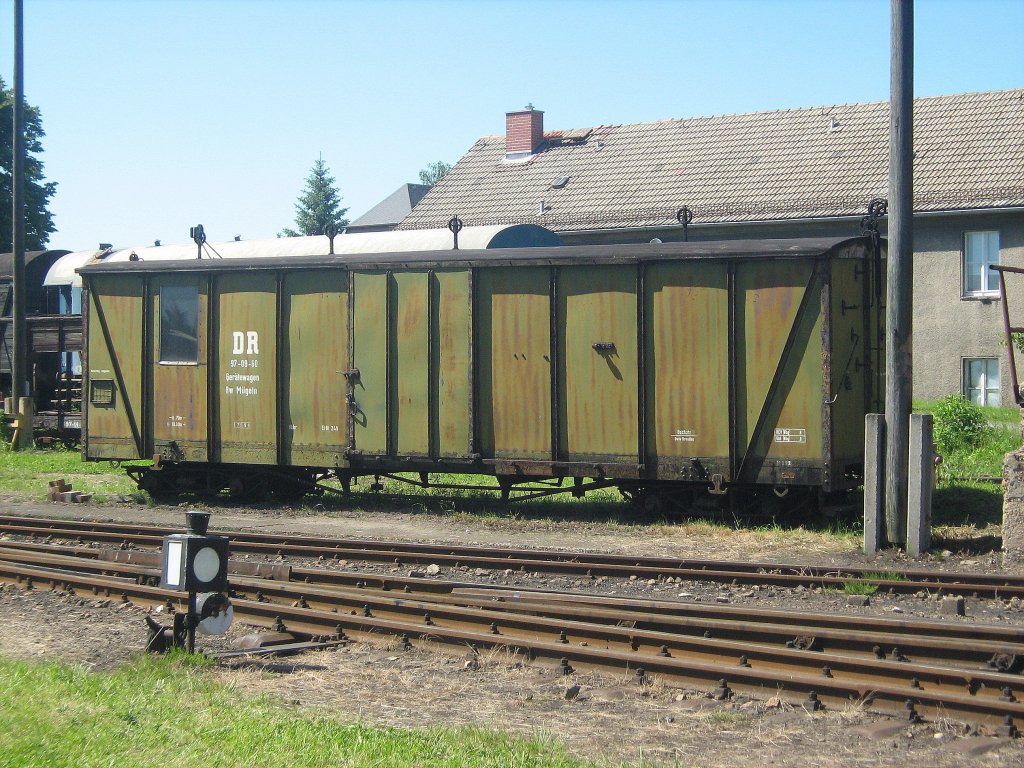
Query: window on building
{"x": 980, "y": 250}
{"x": 179, "y": 323}
{"x": 981, "y": 380}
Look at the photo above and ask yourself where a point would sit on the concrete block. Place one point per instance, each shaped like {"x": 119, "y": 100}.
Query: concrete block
{"x": 953, "y": 606}
{"x": 921, "y": 484}
{"x": 978, "y": 745}
{"x": 1013, "y": 506}
{"x": 698, "y": 705}
{"x": 874, "y": 481}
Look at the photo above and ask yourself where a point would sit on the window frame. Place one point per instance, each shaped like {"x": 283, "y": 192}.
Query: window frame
{"x": 965, "y": 380}
{"x": 990, "y": 282}
{"x": 194, "y": 294}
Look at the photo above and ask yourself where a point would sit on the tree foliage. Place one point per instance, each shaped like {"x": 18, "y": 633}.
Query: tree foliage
{"x": 38, "y": 219}
{"x": 434, "y": 172}
{"x": 319, "y": 205}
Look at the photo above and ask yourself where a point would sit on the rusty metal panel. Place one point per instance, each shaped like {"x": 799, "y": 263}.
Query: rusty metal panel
{"x": 514, "y": 370}
{"x": 781, "y": 393}
{"x": 179, "y": 400}
{"x": 851, "y": 358}
{"x": 370, "y": 356}
{"x": 450, "y": 348}
{"x": 597, "y": 317}
{"x": 113, "y": 381}
{"x": 247, "y": 367}
{"x": 687, "y": 306}
{"x": 314, "y": 307}
{"x": 408, "y": 363}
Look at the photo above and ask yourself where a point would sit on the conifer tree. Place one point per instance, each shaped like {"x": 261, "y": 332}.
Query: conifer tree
{"x": 319, "y": 205}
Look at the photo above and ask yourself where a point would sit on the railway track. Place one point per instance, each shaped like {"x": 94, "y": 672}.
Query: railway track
{"x": 541, "y": 561}
{"x": 910, "y": 668}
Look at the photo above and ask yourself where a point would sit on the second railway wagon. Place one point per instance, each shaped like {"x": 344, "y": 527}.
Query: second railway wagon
{"x": 713, "y": 367}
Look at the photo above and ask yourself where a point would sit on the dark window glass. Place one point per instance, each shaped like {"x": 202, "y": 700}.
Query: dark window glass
{"x": 179, "y": 322}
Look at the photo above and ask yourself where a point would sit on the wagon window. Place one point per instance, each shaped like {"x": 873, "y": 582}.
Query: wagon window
{"x": 179, "y": 323}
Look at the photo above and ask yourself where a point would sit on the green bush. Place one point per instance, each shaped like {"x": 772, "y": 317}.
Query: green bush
{"x": 959, "y": 424}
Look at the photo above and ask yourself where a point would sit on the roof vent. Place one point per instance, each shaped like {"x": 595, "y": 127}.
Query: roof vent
{"x": 560, "y": 182}
{"x": 833, "y": 125}
{"x": 156, "y": 243}
{"x": 576, "y": 136}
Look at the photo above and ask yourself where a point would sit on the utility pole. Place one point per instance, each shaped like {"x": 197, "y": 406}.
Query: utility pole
{"x": 19, "y": 332}
{"x": 899, "y": 289}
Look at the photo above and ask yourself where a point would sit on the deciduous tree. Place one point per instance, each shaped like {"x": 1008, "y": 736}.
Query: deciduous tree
{"x": 38, "y": 219}
{"x": 434, "y": 172}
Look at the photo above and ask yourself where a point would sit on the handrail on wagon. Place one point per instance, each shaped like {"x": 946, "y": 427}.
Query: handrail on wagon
{"x": 1009, "y": 329}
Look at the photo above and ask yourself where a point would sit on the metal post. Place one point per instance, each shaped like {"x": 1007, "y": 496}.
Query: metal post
{"x": 191, "y": 622}
{"x": 19, "y": 335}
{"x": 899, "y": 291}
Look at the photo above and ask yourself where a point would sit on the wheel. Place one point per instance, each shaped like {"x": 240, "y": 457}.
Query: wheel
{"x": 246, "y": 487}
{"x": 287, "y": 490}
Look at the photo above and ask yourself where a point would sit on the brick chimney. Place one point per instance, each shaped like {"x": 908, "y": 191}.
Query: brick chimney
{"x": 524, "y": 131}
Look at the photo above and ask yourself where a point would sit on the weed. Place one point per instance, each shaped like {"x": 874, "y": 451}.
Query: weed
{"x": 865, "y": 585}
{"x": 726, "y": 717}
{"x": 859, "y": 587}
{"x": 959, "y": 424}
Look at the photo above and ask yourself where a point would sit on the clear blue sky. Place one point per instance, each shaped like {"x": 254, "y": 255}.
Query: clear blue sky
{"x": 162, "y": 114}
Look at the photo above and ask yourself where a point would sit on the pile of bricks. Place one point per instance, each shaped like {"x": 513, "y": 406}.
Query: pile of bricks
{"x": 61, "y": 491}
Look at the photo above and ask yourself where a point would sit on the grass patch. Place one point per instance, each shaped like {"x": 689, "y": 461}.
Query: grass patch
{"x": 166, "y": 713}
{"x": 968, "y": 495}
{"x": 859, "y": 587}
{"x": 863, "y": 586}
{"x": 30, "y": 472}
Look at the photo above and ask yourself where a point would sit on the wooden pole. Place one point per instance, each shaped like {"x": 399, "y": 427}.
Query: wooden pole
{"x": 899, "y": 290}
{"x": 19, "y": 331}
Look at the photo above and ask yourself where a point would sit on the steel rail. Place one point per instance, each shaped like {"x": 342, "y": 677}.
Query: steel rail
{"x": 742, "y": 642}
{"x": 547, "y": 561}
{"x": 1000, "y": 647}
{"x": 875, "y": 692}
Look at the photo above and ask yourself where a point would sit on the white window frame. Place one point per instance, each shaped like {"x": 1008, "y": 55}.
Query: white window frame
{"x": 987, "y": 240}
{"x": 988, "y": 388}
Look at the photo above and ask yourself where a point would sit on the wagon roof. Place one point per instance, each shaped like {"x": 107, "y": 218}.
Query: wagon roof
{"x": 7, "y": 260}
{"x": 560, "y": 255}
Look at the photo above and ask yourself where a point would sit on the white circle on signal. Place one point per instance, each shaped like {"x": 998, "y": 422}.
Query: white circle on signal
{"x": 206, "y": 565}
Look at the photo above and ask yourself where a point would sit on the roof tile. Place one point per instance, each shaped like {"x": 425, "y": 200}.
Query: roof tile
{"x": 745, "y": 167}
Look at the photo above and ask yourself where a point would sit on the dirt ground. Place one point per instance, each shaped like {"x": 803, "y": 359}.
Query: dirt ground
{"x": 600, "y": 718}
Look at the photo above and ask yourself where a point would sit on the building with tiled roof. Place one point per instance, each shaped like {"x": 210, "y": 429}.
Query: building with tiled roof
{"x": 810, "y": 171}
{"x": 389, "y": 212}
{"x": 761, "y": 166}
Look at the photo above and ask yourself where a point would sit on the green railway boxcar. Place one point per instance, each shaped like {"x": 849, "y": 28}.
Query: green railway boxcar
{"x": 711, "y": 367}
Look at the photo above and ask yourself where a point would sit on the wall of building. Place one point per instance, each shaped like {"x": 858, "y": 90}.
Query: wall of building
{"x": 948, "y": 328}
